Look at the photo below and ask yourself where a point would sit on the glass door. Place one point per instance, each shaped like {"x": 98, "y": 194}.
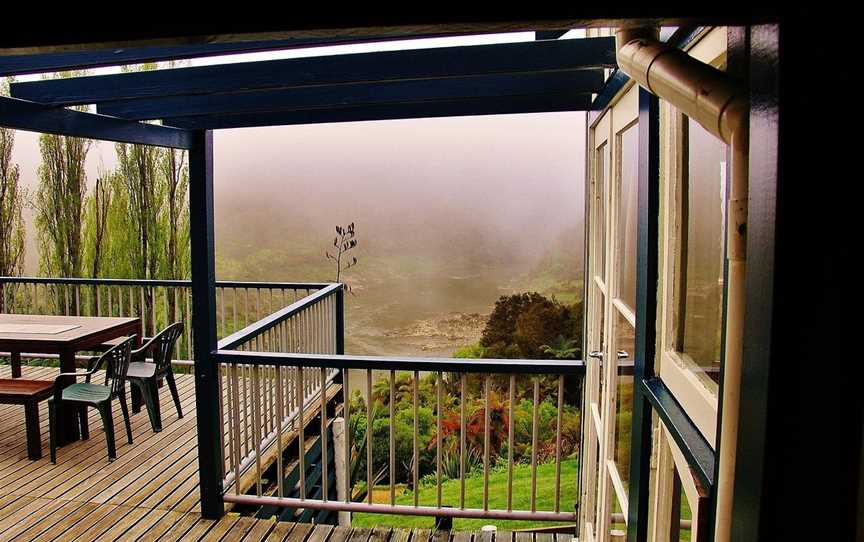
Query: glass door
{"x": 611, "y": 320}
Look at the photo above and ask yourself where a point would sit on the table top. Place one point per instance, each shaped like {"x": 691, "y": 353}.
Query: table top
{"x": 37, "y": 329}
{"x": 17, "y": 387}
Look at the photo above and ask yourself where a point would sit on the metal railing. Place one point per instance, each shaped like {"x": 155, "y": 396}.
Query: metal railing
{"x": 157, "y": 302}
{"x": 290, "y": 382}
{"x": 263, "y": 404}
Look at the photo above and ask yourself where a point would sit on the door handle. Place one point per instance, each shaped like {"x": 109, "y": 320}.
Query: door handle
{"x": 623, "y": 355}
{"x": 596, "y": 354}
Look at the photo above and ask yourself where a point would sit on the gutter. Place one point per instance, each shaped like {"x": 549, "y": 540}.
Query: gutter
{"x": 715, "y": 101}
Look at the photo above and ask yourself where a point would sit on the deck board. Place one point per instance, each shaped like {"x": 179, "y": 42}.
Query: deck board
{"x": 149, "y": 493}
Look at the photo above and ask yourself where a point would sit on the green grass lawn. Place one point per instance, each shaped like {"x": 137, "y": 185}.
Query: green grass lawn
{"x": 497, "y": 498}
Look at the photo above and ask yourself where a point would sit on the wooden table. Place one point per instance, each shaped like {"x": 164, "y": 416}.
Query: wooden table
{"x": 64, "y": 336}
{"x": 15, "y": 391}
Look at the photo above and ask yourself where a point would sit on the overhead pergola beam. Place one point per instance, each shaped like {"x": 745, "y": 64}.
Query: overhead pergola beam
{"x": 33, "y": 117}
{"x": 538, "y": 56}
{"x": 77, "y": 60}
{"x": 439, "y": 108}
{"x": 341, "y": 96}
{"x": 549, "y": 34}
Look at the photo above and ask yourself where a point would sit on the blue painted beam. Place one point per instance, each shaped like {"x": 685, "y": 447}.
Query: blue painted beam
{"x": 549, "y": 34}
{"x": 456, "y": 108}
{"x": 538, "y": 56}
{"x": 24, "y": 115}
{"x": 340, "y": 96}
{"x": 116, "y": 56}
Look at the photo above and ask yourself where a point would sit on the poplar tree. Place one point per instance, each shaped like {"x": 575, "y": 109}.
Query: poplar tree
{"x": 12, "y": 198}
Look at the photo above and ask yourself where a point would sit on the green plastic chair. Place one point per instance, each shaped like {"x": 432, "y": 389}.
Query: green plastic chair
{"x": 85, "y": 394}
{"x": 146, "y": 376}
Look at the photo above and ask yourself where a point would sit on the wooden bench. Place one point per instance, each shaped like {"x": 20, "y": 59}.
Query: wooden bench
{"x": 27, "y": 393}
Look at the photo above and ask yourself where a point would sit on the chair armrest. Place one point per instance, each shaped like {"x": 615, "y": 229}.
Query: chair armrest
{"x": 142, "y": 351}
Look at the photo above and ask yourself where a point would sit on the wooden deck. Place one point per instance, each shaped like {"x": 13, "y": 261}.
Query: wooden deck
{"x": 150, "y": 492}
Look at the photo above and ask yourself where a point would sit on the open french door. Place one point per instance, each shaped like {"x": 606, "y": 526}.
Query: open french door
{"x": 611, "y": 320}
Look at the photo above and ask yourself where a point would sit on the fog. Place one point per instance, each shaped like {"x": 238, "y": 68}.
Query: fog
{"x": 509, "y": 184}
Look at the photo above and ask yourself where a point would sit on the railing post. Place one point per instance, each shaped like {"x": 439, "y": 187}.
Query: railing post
{"x": 340, "y": 331}
{"x": 340, "y": 321}
{"x": 207, "y": 394}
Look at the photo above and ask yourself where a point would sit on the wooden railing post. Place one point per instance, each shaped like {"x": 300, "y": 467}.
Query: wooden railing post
{"x": 207, "y": 394}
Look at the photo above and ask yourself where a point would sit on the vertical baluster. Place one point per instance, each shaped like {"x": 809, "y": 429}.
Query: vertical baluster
{"x": 346, "y": 398}
{"x": 143, "y": 312}
{"x": 392, "y": 473}
{"x": 369, "y": 435}
{"x": 236, "y": 417}
{"x": 534, "y": 433}
{"x": 462, "y": 441}
{"x": 66, "y": 297}
{"x": 510, "y": 434}
{"x": 486, "y": 431}
{"x": 234, "y": 311}
{"x": 416, "y": 465}
{"x": 438, "y": 403}
{"x": 302, "y": 451}
{"x": 246, "y": 391}
{"x": 154, "y": 325}
{"x": 223, "y": 332}
{"x": 245, "y": 307}
{"x": 324, "y": 460}
{"x": 187, "y": 299}
{"x": 231, "y": 459}
{"x": 558, "y": 444}
{"x": 98, "y": 301}
{"x": 77, "y": 301}
{"x": 110, "y": 304}
{"x": 280, "y": 475}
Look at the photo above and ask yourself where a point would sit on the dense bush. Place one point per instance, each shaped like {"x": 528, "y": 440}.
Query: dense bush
{"x": 522, "y": 324}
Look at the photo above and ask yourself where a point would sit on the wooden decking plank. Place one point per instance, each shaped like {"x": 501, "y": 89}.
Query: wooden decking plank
{"x": 544, "y": 537}
{"x": 504, "y": 536}
{"x": 123, "y": 528}
{"x": 260, "y": 530}
{"x": 9, "y": 504}
{"x": 85, "y": 524}
{"x": 421, "y": 535}
{"x": 400, "y": 535}
{"x": 66, "y": 523}
{"x": 319, "y": 533}
{"x": 522, "y": 536}
{"x": 340, "y": 533}
{"x": 31, "y": 521}
{"x": 464, "y": 536}
{"x": 281, "y": 531}
{"x": 175, "y": 530}
{"x": 238, "y": 531}
{"x": 300, "y": 533}
{"x": 380, "y": 534}
{"x": 220, "y": 528}
{"x": 484, "y": 536}
{"x": 440, "y": 535}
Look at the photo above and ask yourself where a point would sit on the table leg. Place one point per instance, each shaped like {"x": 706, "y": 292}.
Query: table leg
{"x": 67, "y": 416}
{"x": 137, "y": 398}
{"x": 15, "y": 361}
{"x": 34, "y": 438}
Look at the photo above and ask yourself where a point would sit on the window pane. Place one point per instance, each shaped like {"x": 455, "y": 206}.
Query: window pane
{"x": 600, "y": 213}
{"x": 703, "y": 277}
{"x": 625, "y": 343}
{"x": 626, "y": 224}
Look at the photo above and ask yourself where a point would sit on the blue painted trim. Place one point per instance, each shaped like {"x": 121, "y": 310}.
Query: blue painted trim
{"x": 341, "y": 96}
{"x": 470, "y": 107}
{"x": 696, "y": 450}
{"x": 552, "y": 55}
{"x": 117, "y": 56}
{"x": 34, "y": 117}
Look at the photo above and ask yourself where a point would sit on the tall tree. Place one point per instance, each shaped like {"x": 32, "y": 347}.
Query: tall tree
{"x": 97, "y": 208}
{"x": 59, "y": 202}
{"x": 12, "y": 198}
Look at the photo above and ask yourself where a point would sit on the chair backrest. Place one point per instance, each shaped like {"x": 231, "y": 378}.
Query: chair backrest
{"x": 117, "y": 365}
{"x": 163, "y": 347}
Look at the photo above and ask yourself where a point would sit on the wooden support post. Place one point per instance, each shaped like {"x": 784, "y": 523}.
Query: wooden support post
{"x": 210, "y": 463}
